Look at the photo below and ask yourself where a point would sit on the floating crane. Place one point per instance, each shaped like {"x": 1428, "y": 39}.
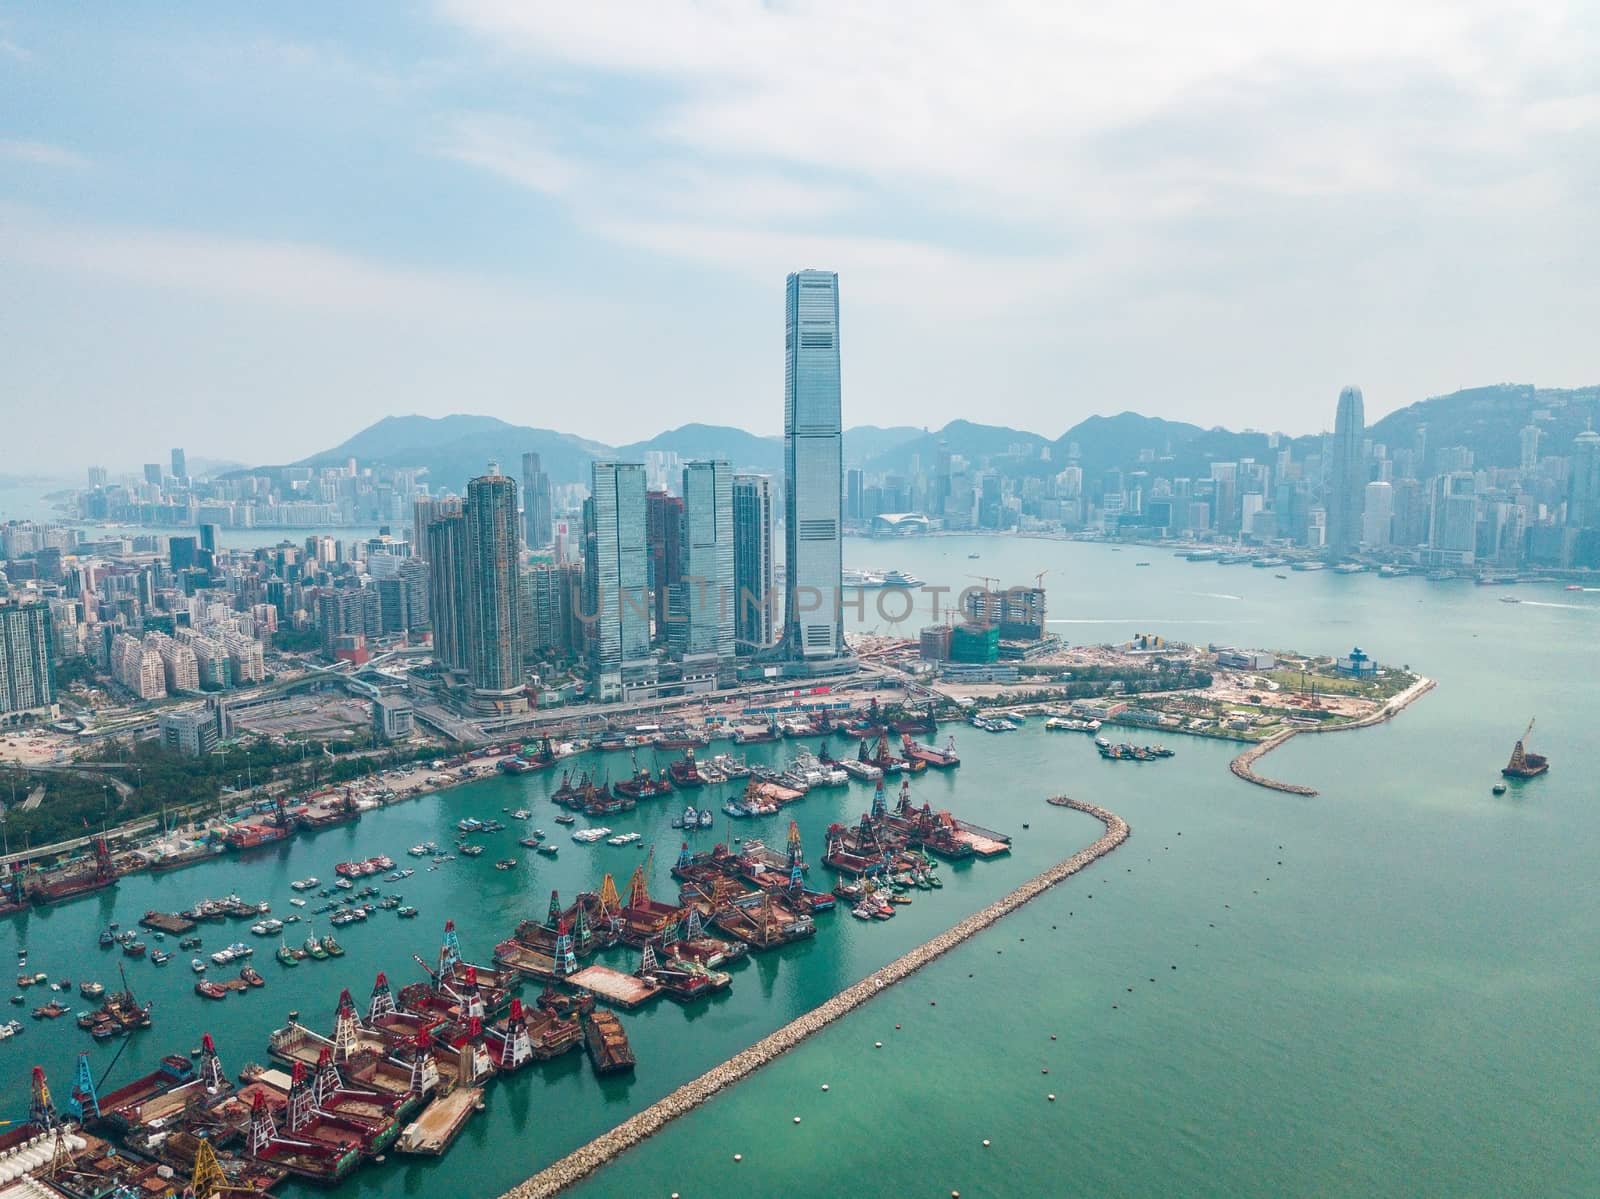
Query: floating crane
{"x": 1525, "y": 765}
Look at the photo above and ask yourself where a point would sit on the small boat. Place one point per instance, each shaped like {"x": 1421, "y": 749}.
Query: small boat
{"x": 107, "y": 939}
{"x": 344, "y": 884}
{"x": 298, "y": 902}
{"x": 197, "y": 966}
{"x": 506, "y": 864}
{"x": 305, "y": 884}
{"x": 134, "y": 949}
{"x": 91, "y": 990}
{"x": 10, "y": 1029}
{"x": 53, "y": 1010}
{"x": 472, "y": 851}
{"x": 331, "y": 947}
{"x": 1499, "y": 788}
{"x": 548, "y": 851}
{"x": 314, "y": 947}
{"x": 210, "y": 990}
{"x": 286, "y": 956}
{"x": 407, "y": 913}
{"x": 566, "y": 818}
{"x": 251, "y": 977}
{"x": 160, "y": 957}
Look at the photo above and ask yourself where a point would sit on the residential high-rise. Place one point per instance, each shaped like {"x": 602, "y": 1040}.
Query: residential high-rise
{"x": 447, "y": 588}
{"x": 26, "y": 683}
{"x": 813, "y": 467}
{"x": 754, "y": 600}
{"x": 536, "y": 530}
{"x": 426, "y": 509}
{"x": 493, "y": 561}
{"x": 180, "y": 465}
{"x": 1346, "y": 483}
{"x": 617, "y": 576}
{"x": 663, "y": 531}
{"x": 152, "y": 473}
{"x": 551, "y": 592}
{"x": 703, "y": 598}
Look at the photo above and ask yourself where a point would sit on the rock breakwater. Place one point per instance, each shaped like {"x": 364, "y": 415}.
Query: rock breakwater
{"x": 585, "y": 1160}
{"x": 1244, "y": 765}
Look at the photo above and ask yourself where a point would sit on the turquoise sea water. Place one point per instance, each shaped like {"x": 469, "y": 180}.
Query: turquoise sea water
{"x": 1388, "y": 989}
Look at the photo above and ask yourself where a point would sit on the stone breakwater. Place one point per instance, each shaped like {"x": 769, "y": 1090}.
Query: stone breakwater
{"x": 585, "y": 1160}
{"x": 1243, "y": 765}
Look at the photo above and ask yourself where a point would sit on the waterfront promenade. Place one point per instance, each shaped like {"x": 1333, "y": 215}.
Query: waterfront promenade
{"x": 585, "y": 1160}
{"x": 1244, "y": 765}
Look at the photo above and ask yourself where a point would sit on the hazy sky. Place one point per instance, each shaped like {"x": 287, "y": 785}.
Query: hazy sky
{"x": 252, "y": 230}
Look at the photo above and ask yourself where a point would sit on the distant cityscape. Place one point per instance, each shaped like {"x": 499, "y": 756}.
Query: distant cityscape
{"x": 661, "y": 577}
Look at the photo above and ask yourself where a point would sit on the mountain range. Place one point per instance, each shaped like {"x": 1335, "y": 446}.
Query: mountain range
{"x": 1486, "y": 420}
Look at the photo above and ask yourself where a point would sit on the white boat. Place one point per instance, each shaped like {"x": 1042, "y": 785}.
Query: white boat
{"x": 588, "y": 836}
{"x": 299, "y": 903}
{"x": 305, "y": 884}
{"x": 197, "y": 966}
{"x": 623, "y": 839}
{"x": 418, "y": 851}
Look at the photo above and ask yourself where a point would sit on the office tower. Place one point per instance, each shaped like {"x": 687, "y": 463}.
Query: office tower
{"x": 97, "y": 476}
{"x": 854, "y": 483}
{"x": 152, "y": 473}
{"x": 536, "y": 531}
{"x": 755, "y": 601}
{"x": 210, "y": 536}
{"x": 1583, "y": 482}
{"x": 1377, "y": 514}
{"x": 703, "y": 598}
{"x": 494, "y": 640}
{"x": 1528, "y": 443}
{"x": 180, "y": 465}
{"x": 663, "y": 519}
{"x": 182, "y": 552}
{"x": 1346, "y": 480}
{"x": 26, "y": 682}
{"x": 617, "y": 575}
{"x": 1453, "y": 531}
{"x": 447, "y": 589}
{"x": 813, "y": 465}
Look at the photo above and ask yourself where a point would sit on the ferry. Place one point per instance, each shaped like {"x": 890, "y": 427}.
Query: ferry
{"x": 875, "y": 579}
{"x": 1309, "y": 564}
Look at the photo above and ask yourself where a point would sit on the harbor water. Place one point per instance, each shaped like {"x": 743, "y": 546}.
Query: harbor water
{"x": 1387, "y": 989}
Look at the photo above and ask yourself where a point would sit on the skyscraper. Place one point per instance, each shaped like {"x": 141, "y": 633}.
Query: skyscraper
{"x": 813, "y": 466}
{"x": 1346, "y": 482}
{"x": 1377, "y": 514}
{"x": 447, "y": 587}
{"x": 494, "y": 641}
{"x": 180, "y": 464}
{"x": 754, "y": 601}
{"x": 1583, "y": 482}
{"x": 703, "y": 604}
{"x": 536, "y": 531}
{"x": 617, "y": 575}
{"x": 26, "y": 683}
{"x": 663, "y": 532}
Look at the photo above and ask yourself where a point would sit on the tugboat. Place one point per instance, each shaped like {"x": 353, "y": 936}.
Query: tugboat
{"x": 1525, "y": 765}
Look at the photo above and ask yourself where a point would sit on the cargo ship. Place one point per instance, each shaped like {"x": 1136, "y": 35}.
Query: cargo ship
{"x": 642, "y": 785}
{"x": 79, "y": 878}
{"x": 939, "y": 759}
{"x": 1525, "y": 765}
{"x": 685, "y": 772}
{"x": 607, "y": 1043}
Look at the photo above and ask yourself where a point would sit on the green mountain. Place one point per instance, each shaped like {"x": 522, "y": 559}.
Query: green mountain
{"x": 742, "y": 450}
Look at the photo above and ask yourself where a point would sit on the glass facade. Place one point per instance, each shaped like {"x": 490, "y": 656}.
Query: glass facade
{"x": 25, "y": 679}
{"x": 704, "y": 608}
{"x": 813, "y": 467}
{"x": 618, "y": 562}
{"x": 754, "y": 601}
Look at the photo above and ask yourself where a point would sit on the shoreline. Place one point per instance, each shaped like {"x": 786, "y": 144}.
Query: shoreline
{"x": 583, "y": 1161}
{"x": 1243, "y": 765}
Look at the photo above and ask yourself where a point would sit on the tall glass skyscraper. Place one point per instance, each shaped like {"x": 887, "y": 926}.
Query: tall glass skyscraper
{"x": 1347, "y": 482}
{"x": 703, "y": 607}
{"x": 754, "y": 602}
{"x": 494, "y": 638}
{"x": 536, "y": 528}
{"x": 813, "y": 468}
{"x": 617, "y": 569}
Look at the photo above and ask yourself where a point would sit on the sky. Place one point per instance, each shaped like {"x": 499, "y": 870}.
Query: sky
{"x": 252, "y": 231}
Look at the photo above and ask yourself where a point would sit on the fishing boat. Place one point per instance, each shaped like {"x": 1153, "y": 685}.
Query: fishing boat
{"x": 1523, "y": 764}
{"x": 286, "y": 956}
{"x": 160, "y": 957}
{"x": 331, "y": 947}
{"x": 91, "y": 990}
{"x": 548, "y": 851}
{"x": 566, "y": 818}
{"x": 506, "y": 864}
{"x": 407, "y": 913}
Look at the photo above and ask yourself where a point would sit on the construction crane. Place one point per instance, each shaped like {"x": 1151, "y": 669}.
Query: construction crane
{"x": 208, "y": 1178}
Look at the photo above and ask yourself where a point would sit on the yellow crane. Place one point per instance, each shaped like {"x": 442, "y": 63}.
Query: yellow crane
{"x": 208, "y": 1179}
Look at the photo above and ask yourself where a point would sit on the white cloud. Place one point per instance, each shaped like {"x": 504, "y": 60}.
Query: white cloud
{"x": 288, "y": 274}
{"x": 41, "y": 154}
{"x": 511, "y": 149}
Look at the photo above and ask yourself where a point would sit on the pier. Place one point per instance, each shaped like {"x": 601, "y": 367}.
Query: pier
{"x": 1243, "y": 766}
{"x": 586, "y": 1159}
